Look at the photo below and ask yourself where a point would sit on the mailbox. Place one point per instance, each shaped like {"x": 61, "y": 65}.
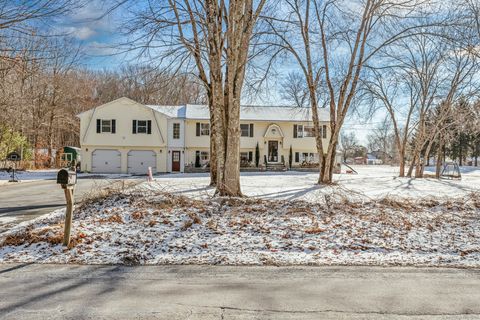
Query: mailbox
{"x": 13, "y": 156}
{"x": 66, "y": 177}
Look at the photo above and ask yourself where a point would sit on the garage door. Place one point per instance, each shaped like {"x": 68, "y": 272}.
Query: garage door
{"x": 139, "y": 161}
{"x": 106, "y": 161}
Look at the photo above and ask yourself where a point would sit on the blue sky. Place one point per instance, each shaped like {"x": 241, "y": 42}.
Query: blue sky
{"x": 97, "y": 31}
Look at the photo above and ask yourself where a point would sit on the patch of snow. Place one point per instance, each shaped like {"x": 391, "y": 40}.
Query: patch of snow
{"x": 51, "y": 174}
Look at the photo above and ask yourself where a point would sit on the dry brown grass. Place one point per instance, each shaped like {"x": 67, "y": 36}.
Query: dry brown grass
{"x": 187, "y": 224}
{"x": 101, "y": 193}
{"x": 52, "y": 235}
{"x": 113, "y": 219}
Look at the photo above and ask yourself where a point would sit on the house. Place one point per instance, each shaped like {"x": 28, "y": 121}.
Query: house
{"x": 124, "y": 136}
{"x": 372, "y": 159}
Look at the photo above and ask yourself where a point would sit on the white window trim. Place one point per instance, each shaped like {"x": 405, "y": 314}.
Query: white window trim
{"x": 204, "y": 127}
{"x": 138, "y": 126}
{"x": 176, "y": 124}
{"x": 102, "y": 125}
{"x": 204, "y": 157}
{"x": 301, "y": 131}
{"x": 248, "y": 130}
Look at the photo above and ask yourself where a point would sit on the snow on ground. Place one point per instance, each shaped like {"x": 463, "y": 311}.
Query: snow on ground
{"x": 48, "y": 174}
{"x": 372, "y": 182}
{"x": 30, "y": 175}
{"x": 146, "y": 227}
{"x": 373, "y": 218}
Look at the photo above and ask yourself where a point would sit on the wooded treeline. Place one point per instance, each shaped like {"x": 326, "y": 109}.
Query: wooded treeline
{"x": 43, "y": 84}
{"x": 40, "y": 98}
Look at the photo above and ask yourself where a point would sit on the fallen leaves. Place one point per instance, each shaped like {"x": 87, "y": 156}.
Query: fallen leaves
{"x": 163, "y": 228}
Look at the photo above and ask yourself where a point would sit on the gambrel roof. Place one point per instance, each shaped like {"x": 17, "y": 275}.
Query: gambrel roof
{"x": 247, "y": 113}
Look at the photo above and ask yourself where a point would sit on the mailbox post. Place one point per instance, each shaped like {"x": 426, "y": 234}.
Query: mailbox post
{"x": 15, "y": 157}
{"x": 67, "y": 179}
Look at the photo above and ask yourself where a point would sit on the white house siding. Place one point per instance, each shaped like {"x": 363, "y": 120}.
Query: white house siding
{"x": 123, "y": 111}
{"x": 176, "y": 144}
{"x": 161, "y": 141}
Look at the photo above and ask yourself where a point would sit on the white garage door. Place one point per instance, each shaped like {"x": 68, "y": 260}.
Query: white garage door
{"x": 106, "y": 161}
{"x": 139, "y": 161}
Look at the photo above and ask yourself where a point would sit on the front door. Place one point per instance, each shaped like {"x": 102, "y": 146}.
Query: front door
{"x": 176, "y": 161}
{"x": 272, "y": 151}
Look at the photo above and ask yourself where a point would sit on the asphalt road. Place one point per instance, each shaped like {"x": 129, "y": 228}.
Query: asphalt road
{"x": 27, "y": 200}
{"x": 214, "y": 292}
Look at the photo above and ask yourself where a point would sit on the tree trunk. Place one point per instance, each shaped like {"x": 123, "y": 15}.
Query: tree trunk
{"x": 438, "y": 165}
{"x": 330, "y": 157}
{"x": 427, "y": 155}
{"x": 50, "y": 138}
{"x": 402, "y": 163}
{"x": 318, "y": 134}
{"x": 412, "y": 165}
{"x": 231, "y": 183}
{"x": 418, "y": 167}
{"x": 213, "y": 152}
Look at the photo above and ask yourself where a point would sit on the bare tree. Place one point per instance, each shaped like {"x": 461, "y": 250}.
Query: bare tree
{"x": 332, "y": 41}
{"x": 349, "y": 142}
{"x": 216, "y": 36}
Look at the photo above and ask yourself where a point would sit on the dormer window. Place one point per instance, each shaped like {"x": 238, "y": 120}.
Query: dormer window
{"x": 142, "y": 127}
{"x": 106, "y": 126}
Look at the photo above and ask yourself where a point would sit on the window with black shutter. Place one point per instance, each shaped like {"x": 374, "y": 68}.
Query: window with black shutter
{"x": 251, "y": 130}
{"x": 114, "y": 126}
{"x": 297, "y": 157}
{"x": 105, "y": 126}
{"x": 142, "y": 126}
{"x": 250, "y": 156}
{"x": 198, "y": 129}
{"x": 324, "y": 132}
{"x": 294, "y": 130}
{"x": 134, "y": 126}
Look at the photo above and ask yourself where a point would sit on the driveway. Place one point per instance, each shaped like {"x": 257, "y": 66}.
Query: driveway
{"x": 215, "y": 292}
{"x": 27, "y": 200}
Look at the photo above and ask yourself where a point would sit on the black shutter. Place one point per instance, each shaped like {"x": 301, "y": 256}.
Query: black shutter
{"x": 250, "y": 156}
{"x": 297, "y": 157}
{"x": 134, "y": 126}
{"x": 197, "y": 159}
{"x": 114, "y": 123}
{"x": 99, "y": 126}
{"x": 324, "y": 132}
{"x": 149, "y": 127}
{"x": 251, "y": 131}
{"x": 198, "y": 129}
{"x": 294, "y": 130}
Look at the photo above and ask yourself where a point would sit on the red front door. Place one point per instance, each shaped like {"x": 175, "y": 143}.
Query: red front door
{"x": 175, "y": 160}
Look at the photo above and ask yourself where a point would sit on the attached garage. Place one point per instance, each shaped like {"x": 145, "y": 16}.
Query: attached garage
{"x": 140, "y": 160}
{"x": 106, "y": 161}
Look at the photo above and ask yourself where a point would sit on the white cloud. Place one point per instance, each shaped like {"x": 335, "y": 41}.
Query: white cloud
{"x": 82, "y": 33}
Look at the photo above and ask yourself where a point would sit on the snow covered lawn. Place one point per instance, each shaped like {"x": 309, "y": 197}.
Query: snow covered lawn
{"x": 48, "y": 174}
{"x": 147, "y": 226}
{"x": 372, "y": 182}
{"x": 29, "y": 175}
